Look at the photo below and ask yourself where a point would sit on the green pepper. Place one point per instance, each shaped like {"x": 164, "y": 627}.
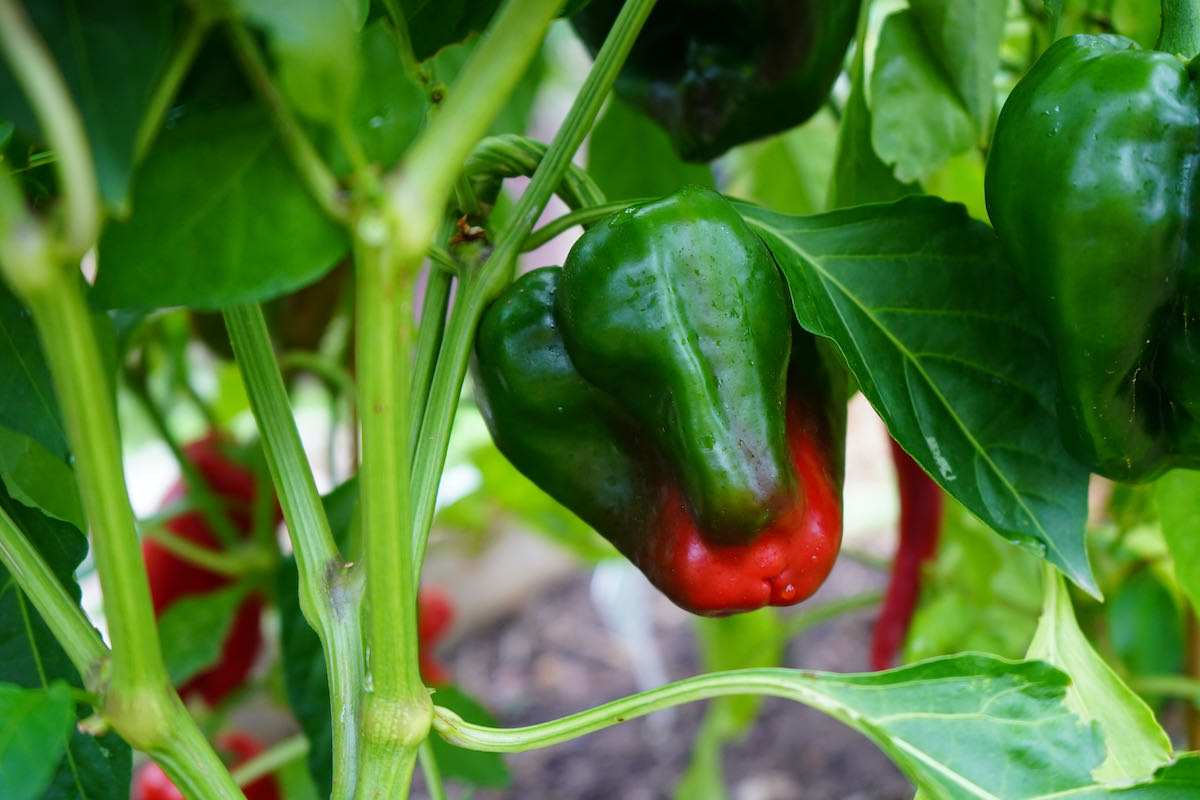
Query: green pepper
{"x": 653, "y": 385}
{"x": 718, "y": 74}
{"x": 1089, "y": 186}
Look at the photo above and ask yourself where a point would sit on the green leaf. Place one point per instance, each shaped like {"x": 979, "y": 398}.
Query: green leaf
{"x": 314, "y": 45}
{"x": 30, "y": 657}
{"x": 194, "y": 629}
{"x": 1143, "y": 649}
{"x": 34, "y": 726}
{"x": 474, "y": 767}
{"x": 944, "y": 346}
{"x": 1178, "y": 497}
{"x": 514, "y": 117}
{"x": 433, "y": 24}
{"x": 38, "y": 479}
{"x": 789, "y": 173}
{"x": 27, "y": 404}
{"x": 917, "y": 119}
{"x": 655, "y": 171}
{"x": 980, "y": 594}
{"x": 859, "y": 176}
{"x": 111, "y": 54}
{"x": 1136, "y": 744}
{"x": 965, "y": 37}
{"x": 220, "y": 217}
{"x": 1172, "y": 782}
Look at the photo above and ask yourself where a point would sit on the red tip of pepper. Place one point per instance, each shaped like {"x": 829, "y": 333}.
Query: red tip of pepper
{"x": 784, "y": 564}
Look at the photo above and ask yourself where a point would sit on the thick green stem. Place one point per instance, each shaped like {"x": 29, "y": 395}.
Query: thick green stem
{"x": 47, "y": 93}
{"x": 478, "y": 289}
{"x": 58, "y": 610}
{"x": 423, "y": 183}
{"x": 330, "y": 598}
{"x": 1180, "y": 31}
{"x": 396, "y": 707}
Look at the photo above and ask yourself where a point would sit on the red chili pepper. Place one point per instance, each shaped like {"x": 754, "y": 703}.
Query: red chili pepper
{"x": 435, "y": 612}
{"x": 920, "y": 527}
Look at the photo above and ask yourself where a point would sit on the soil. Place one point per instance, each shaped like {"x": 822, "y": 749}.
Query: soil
{"x": 554, "y": 655}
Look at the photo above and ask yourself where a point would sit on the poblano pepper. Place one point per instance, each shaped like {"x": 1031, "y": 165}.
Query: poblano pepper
{"x": 1090, "y": 188}
{"x": 654, "y": 387}
{"x": 718, "y": 74}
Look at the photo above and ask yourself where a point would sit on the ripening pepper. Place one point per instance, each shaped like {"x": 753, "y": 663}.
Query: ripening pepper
{"x": 654, "y": 387}
{"x": 715, "y": 74}
{"x": 1089, "y": 186}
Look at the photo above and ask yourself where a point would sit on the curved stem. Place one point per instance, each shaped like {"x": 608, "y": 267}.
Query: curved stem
{"x": 44, "y": 88}
{"x": 291, "y": 749}
{"x": 235, "y": 563}
{"x": 584, "y": 216}
{"x": 1180, "y": 31}
{"x": 789, "y": 684}
{"x": 510, "y": 155}
{"x": 477, "y": 290}
{"x": 60, "y": 612}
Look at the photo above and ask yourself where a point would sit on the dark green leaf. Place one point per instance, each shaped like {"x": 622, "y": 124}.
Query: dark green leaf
{"x": 194, "y": 629}
{"x": 220, "y": 217}
{"x": 27, "y": 404}
{"x": 918, "y": 120}
{"x": 473, "y": 767}
{"x": 111, "y": 55}
{"x": 433, "y": 24}
{"x": 650, "y": 168}
{"x": 944, "y": 347}
{"x": 34, "y": 726}
{"x": 1173, "y": 782}
{"x": 94, "y": 767}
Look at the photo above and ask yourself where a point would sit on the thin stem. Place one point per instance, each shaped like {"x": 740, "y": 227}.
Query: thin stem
{"x": 425, "y": 178}
{"x": 325, "y": 368}
{"x": 584, "y": 216}
{"x": 795, "y": 685}
{"x": 396, "y": 701}
{"x": 442, "y": 259}
{"x": 433, "y": 775}
{"x": 57, "y": 609}
{"x": 322, "y": 184}
{"x": 477, "y": 290}
{"x": 329, "y": 595}
{"x": 812, "y": 617}
{"x": 285, "y": 752}
{"x": 44, "y": 88}
{"x": 236, "y": 562}
{"x": 429, "y": 339}
{"x": 1180, "y": 31}
{"x": 195, "y": 29}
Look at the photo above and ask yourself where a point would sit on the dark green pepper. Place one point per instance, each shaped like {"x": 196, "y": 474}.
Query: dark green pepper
{"x": 717, "y": 74}
{"x": 646, "y": 386}
{"x": 1090, "y": 188}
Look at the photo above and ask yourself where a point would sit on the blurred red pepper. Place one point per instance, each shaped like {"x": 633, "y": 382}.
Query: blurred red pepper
{"x": 435, "y": 613}
{"x": 173, "y": 577}
{"x": 921, "y": 501}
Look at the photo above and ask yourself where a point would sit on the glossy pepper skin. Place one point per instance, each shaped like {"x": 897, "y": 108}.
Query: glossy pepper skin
{"x": 1089, "y": 186}
{"x": 716, "y": 74}
{"x": 646, "y": 386}
{"x": 173, "y": 577}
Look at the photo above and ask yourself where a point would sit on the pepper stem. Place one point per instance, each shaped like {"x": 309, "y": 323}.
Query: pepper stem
{"x": 1180, "y": 31}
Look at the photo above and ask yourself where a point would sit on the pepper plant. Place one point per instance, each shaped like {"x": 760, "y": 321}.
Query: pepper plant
{"x": 680, "y": 383}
